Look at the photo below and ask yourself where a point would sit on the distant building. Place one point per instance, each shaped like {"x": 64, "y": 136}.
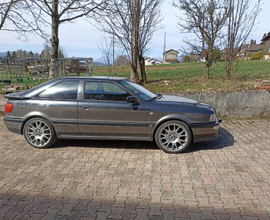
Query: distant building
{"x": 170, "y": 56}
{"x": 263, "y": 46}
{"x": 151, "y": 61}
{"x": 224, "y": 53}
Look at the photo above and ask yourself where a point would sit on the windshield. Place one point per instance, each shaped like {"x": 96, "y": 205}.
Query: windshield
{"x": 138, "y": 90}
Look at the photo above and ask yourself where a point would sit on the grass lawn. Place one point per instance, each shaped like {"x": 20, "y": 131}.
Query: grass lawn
{"x": 189, "y": 76}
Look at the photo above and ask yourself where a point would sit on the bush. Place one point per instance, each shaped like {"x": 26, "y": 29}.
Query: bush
{"x": 192, "y": 57}
{"x": 186, "y": 59}
{"x": 216, "y": 55}
{"x": 257, "y": 56}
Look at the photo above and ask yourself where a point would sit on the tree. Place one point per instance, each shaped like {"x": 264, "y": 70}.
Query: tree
{"x": 17, "y": 16}
{"x": 133, "y": 23}
{"x": 206, "y": 19}
{"x": 240, "y": 23}
{"x": 61, "y": 52}
{"x": 122, "y": 60}
{"x": 46, "y": 52}
{"x": 24, "y": 54}
{"x": 186, "y": 59}
{"x": 192, "y": 57}
{"x": 252, "y": 41}
{"x": 216, "y": 55}
{"x": 36, "y": 55}
{"x": 19, "y": 53}
{"x": 14, "y": 55}
{"x": 106, "y": 48}
{"x": 8, "y": 56}
{"x": 30, "y": 54}
{"x": 60, "y": 12}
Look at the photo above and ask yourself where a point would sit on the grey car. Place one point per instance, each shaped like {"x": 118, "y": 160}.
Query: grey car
{"x": 108, "y": 108}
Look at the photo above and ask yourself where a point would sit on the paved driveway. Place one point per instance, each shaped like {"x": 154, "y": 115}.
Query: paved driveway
{"x": 225, "y": 179}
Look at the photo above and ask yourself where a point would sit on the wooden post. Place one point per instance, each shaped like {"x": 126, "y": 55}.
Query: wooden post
{"x": 78, "y": 67}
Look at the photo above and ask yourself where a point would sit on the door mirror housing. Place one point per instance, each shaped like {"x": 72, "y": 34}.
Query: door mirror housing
{"x": 132, "y": 99}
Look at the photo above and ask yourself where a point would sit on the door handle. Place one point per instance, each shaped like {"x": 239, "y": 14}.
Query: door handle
{"x": 86, "y": 107}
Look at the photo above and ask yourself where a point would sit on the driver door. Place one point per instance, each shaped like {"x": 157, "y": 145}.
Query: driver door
{"x": 104, "y": 112}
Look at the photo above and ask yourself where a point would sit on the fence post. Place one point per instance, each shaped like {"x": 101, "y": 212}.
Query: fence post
{"x": 78, "y": 67}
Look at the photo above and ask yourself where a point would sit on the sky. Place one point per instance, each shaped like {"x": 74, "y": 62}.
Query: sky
{"x": 80, "y": 39}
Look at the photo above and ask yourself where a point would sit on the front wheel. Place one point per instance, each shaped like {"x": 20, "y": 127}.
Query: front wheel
{"x": 39, "y": 133}
{"x": 173, "y": 137}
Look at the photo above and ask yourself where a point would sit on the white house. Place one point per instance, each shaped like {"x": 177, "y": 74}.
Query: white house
{"x": 151, "y": 61}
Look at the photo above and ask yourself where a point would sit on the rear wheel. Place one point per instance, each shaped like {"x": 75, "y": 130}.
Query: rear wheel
{"x": 39, "y": 133}
{"x": 173, "y": 137}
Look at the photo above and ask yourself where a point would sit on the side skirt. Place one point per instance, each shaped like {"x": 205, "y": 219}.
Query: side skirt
{"x": 84, "y": 137}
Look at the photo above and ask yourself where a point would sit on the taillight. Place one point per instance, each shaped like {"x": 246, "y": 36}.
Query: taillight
{"x": 8, "y": 107}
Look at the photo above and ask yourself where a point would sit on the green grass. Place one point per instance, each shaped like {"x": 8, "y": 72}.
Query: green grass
{"x": 189, "y": 76}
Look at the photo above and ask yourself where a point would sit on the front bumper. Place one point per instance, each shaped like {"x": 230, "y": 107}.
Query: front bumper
{"x": 205, "y": 132}
{"x": 14, "y": 124}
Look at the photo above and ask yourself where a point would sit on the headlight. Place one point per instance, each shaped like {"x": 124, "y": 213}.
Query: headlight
{"x": 213, "y": 118}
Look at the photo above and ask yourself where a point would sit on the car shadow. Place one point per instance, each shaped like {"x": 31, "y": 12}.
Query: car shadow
{"x": 225, "y": 139}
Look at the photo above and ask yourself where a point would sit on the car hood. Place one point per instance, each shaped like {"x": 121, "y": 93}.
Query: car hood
{"x": 172, "y": 100}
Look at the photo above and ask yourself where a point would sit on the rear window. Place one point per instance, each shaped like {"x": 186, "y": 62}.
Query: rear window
{"x": 62, "y": 90}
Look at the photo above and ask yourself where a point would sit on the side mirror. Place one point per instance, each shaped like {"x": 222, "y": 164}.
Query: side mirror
{"x": 132, "y": 99}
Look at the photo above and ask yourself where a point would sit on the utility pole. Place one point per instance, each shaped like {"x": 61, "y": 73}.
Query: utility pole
{"x": 164, "y": 49}
{"x": 113, "y": 52}
{"x": 164, "y": 42}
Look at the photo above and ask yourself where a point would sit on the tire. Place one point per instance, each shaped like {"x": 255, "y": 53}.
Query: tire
{"x": 39, "y": 133}
{"x": 173, "y": 137}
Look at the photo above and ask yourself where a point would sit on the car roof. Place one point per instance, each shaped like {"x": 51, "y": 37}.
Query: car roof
{"x": 112, "y": 78}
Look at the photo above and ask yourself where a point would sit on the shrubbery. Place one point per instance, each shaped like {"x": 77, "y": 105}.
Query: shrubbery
{"x": 186, "y": 59}
{"x": 257, "y": 56}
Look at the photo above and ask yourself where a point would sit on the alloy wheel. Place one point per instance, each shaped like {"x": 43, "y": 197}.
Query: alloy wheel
{"x": 38, "y": 133}
{"x": 173, "y": 137}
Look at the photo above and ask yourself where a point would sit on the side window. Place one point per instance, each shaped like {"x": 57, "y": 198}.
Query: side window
{"x": 62, "y": 90}
{"x": 104, "y": 91}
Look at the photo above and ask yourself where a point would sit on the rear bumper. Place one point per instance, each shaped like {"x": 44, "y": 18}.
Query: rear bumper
{"x": 14, "y": 124}
{"x": 205, "y": 132}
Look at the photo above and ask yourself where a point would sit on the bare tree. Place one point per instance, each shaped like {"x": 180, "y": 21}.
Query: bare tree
{"x": 206, "y": 19}
{"x": 46, "y": 52}
{"x": 62, "y": 11}
{"x": 106, "y": 48}
{"x": 62, "y": 52}
{"x": 122, "y": 60}
{"x": 133, "y": 24}
{"x": 240, "y": 24}
{"x": 151, "y": 18}
{"x": 15, "y": 15}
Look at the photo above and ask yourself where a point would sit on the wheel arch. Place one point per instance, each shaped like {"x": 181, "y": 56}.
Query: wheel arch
{"x": 35, "y": 115}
